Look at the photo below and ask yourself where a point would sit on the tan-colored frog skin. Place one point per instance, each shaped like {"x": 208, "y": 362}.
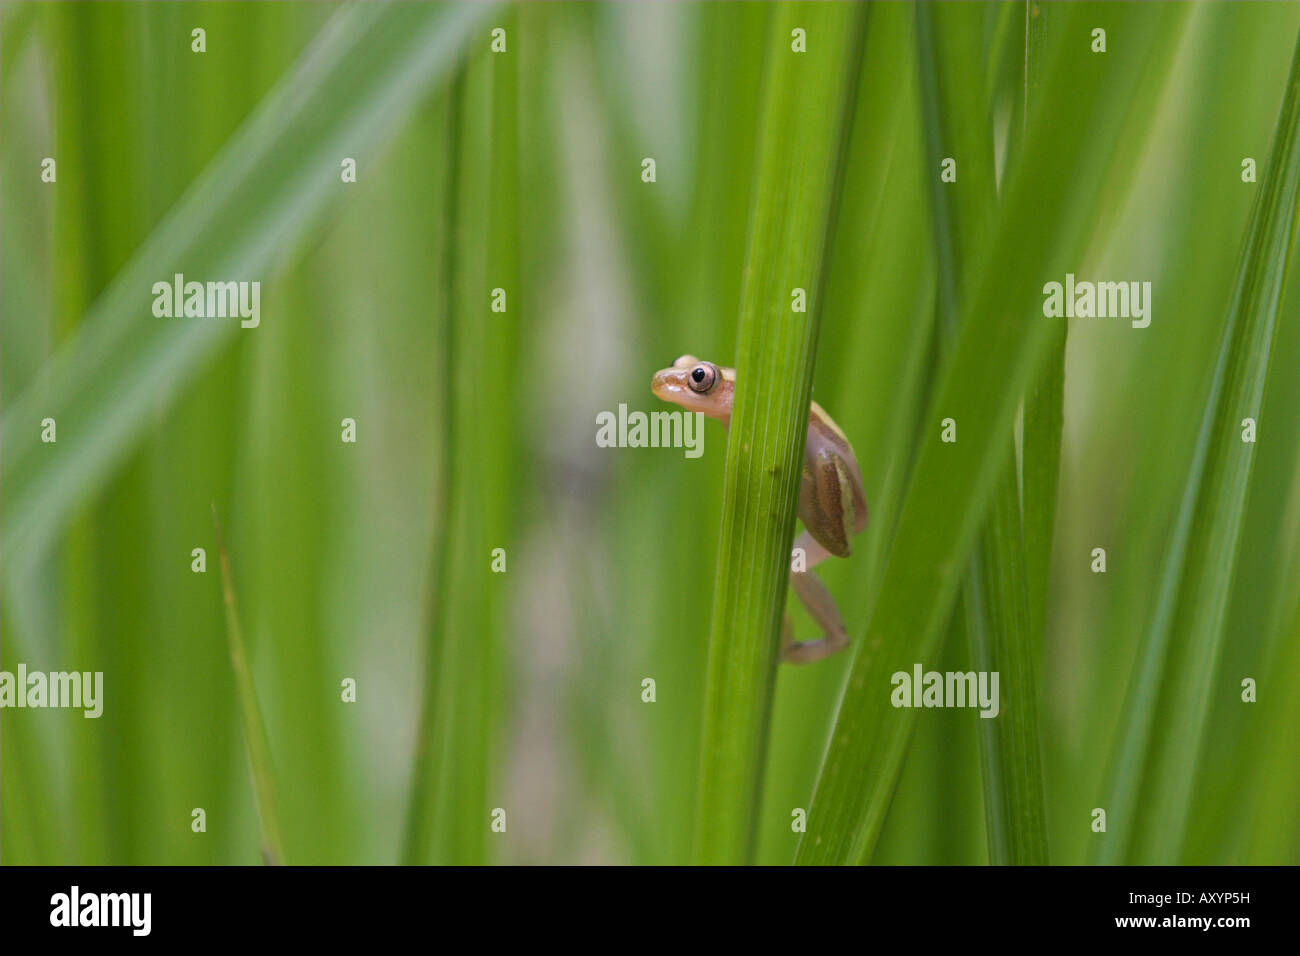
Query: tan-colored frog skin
{"x": 832, "y": 502}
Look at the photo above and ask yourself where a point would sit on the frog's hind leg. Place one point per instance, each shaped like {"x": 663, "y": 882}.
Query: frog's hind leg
{"x": 817, "y": 599}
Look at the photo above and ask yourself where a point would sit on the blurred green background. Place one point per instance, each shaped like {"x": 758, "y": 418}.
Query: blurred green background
{"x": 522, "y": 171}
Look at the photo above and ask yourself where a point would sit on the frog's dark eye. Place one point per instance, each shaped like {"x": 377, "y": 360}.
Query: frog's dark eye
{"x": 703, "y": 377}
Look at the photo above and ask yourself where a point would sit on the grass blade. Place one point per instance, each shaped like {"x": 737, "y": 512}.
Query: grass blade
{"x": 1171, "y": 687}
{"x": 456, "y": 737}
{"x": 808, "y": 102}
{"x": 994, "y": 599}
{"x": 1044, "y": 414}
{"x": 256, "y": 741}
{"x": 1040, "y": 462}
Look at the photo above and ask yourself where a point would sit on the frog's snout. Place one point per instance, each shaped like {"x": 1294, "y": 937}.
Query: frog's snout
{"x": 668, "y": 384}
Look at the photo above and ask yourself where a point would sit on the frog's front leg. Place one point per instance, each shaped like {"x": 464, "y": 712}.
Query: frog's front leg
{"x": 817, "y": 599}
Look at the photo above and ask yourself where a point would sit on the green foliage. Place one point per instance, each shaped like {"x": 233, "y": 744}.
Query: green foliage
{"x": 951, "y": 482}
{"x": 523, "y": 690}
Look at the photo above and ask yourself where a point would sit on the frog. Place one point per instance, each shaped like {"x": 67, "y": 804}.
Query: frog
{"x": 832, "y": 499}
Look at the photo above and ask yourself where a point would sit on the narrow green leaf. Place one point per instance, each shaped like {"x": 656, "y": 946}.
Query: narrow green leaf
{"x": 994, "y": 599}
{"x": 807, "y": 107}
{"x": 256, "y": 741}
{"x": 423, "y": 807}
{"x": 449, "y": 807}
{"x": 954, "y": 117}
{"x": 997, "y": 605}
{"x": 1044, "y": 414}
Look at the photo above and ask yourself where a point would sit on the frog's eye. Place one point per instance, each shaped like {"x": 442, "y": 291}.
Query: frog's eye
{"x": 703, "y": 377}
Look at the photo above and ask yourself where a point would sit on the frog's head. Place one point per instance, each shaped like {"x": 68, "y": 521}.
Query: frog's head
{"x": 697, "y": 386}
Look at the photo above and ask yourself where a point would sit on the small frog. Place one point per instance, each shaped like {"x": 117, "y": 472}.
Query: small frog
{"x": 832, "y": 502}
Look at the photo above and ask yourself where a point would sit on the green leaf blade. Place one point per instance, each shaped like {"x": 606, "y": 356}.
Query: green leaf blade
{"x": 801, "y": 146}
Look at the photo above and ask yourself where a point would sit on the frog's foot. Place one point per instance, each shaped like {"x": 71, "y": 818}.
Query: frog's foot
{"x": 802, "y": 652}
